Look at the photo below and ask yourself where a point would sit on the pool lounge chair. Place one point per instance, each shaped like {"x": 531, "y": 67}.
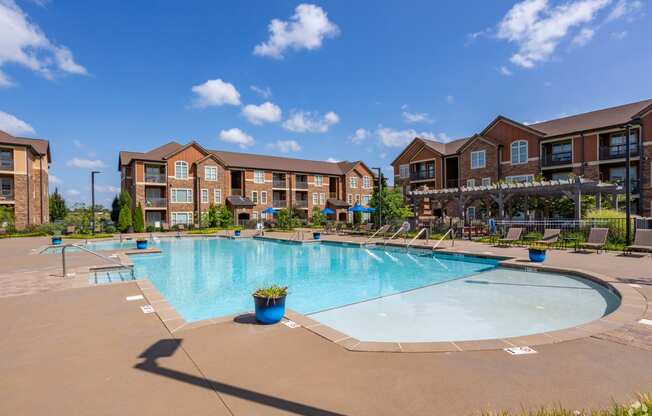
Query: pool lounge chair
{"x": 550, "y": 237}
{"x": 597, "y": 239}
{"x": 513, "y": 235}
{"x": 642, "y": 242}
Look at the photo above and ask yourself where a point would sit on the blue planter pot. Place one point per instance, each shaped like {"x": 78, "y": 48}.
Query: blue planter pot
{"x": 237, "y": 233}
{"x": 56, "y": 241}
{"x": 269, "y": 311}
{"x": 537, "y": 256}
{"x": 141, "y": 245}
{"x": 316, "y": 236}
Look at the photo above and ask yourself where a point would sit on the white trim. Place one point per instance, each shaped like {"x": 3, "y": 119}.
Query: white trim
{"x": 206, "y": 174}
{"x": 176, "y": 169}
{"x": 175, "y": 213}
{"x": 511, "y": 151}
{"x": 259, "y": 171}
{"x": 483, "y": 181}
{"x": 201, "y": 196}
{"x": 484, "y": 159}
{"x": 217, "y": 192}
{"x": 172, "y": 192}
{"x": 261, "y": 197}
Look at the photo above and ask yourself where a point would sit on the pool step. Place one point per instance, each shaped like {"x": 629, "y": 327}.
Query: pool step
{"x": 105, "y": 276}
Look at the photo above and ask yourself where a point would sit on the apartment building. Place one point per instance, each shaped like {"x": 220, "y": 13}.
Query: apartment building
{"x": 591, "y": 145}
{"x": 24, "y": 167}
{"x": 176, "y": 183}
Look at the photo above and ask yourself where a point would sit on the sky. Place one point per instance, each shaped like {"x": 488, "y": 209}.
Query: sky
{"x": 328, "y": 80}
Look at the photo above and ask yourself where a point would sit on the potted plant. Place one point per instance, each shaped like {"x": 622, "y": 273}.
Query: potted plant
{"x": 56, "y": 239}
{"x": 270, "y": 304}
{"x": 237, "y": 232}
{"x": 537, "y": 253}
{"x": 141, "y": 243}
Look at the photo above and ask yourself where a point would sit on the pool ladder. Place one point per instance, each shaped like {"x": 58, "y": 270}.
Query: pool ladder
{"x": 450, "y": 231}
{"x": 115, "y": 264}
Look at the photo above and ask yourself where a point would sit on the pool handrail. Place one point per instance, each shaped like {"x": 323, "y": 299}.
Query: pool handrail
{"x": 400, "y": 230}
{"x": 442, "y": 239}
{"x": 117, "y": 264}
{"x": 421, "y": 231}
{"x": 381, "y": 229}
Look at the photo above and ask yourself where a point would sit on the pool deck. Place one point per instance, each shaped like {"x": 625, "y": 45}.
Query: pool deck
{"x": 72, "y": 348}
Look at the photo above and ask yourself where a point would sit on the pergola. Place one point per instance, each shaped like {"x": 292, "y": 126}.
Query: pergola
{"x": 501, "y": 193}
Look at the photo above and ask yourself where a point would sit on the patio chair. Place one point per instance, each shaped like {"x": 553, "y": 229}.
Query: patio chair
{"x": 642, "y": 242}
{"x": 513, "y": 235}
{"x": 550, "y": 237}
{"x": 328, "y": 228}
{"x": 597, "y": 239}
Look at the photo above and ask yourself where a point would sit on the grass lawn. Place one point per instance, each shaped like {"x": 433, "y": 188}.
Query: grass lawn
{"x": 642, "y": 407}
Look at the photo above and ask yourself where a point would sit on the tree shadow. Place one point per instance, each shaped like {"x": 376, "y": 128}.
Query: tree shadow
{"x": 167, "y": 348}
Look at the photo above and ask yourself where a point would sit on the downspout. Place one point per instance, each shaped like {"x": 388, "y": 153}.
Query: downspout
{"x": 499, "y": 168}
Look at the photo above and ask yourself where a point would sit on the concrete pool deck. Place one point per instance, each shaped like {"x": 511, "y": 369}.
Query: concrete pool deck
{"x": 74, "y": 349}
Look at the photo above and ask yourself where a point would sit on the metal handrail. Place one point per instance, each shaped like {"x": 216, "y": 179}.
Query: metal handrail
{"x": 441, "y": 239}
{"x": 110, "y": 260}
{"x": 381, "y": 229}
{"x": 407, "y": 246}
{"x": 400, "y": 230}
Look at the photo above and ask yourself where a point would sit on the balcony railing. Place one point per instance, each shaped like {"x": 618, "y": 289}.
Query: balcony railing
{"x": 6, "y": 165}
{"x": 633, "y": 185}
{"x": 154, "y": 177}
{"x": 417, "y": 176}
{"x": 617, "y": 151}
{"x": 301, "y": 185}
{"x": 554, "y": 159}
{"x": 155, "y": 202}
{"x": 279, "y": 183}
{"x": 301, "y": 203}
{"x": 279, "y": 203}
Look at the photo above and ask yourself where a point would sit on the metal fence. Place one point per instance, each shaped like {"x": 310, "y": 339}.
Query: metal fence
{"x": 580, "y": 228}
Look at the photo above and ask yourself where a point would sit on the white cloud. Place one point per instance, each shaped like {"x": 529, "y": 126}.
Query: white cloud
{"x": 285, "y": 146}
{"x": 450, "y": 99}
{"x": 306, "y": 121}
{"x": 54, "y": 180}
{"x": 624, "y": 8}
{"x": 332, "y": 160}
{"x": 537, "y": 28}
{"x": 360, "y": 135}
{"x": 73, "y": 192}
{"x": 503, "y": 70}
{"x": 78, "y": 144}
{"x": 416, "y": 117}
{"x": 215, "y": 92}
{"x": 265, "y": 92}
{"x": 619, "y": 35}
{"x": 13, "y": 125}
{"x": 400, "y": 138}
{"x": 238, "y": 137}
{"x": 107, "y": 189}
{"x": 583, "y": 37}
{"x": 23, "y": 43}
{"x": 85, "y": 163}
{"x": 264, "y": 113}
{"x": 443, "y": 137}
{"x": 306, "y": 29}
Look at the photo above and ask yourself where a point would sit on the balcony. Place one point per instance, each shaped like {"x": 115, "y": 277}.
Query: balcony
{"x": 422, "y": 175}
{"x": 556, "y": 159}
{"x": 155, "y": 178}
{"x": 301, "y": 185}
{"x": 279, "y": 203}
{"x": 279, "y": 183}
{"x": 236, "y": 192}
{"x": 301, "y": 203}
{"x": 617, "y": 151}
{"x": 156, "y": 202}
{"x": 452, "y": 183}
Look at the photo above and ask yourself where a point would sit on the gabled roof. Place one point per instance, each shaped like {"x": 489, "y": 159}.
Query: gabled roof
{"x": 155, "y": 155}
{"x": 39, "y": 146}
{"x": 473, "y": 139}
{"x": 444, "y": 149}
{"x": 525, "y": 127}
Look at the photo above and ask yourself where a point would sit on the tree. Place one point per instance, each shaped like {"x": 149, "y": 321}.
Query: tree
{"x": 139, "y": 222}
{"x": 318, "y": 218}
{"x": 58, "y": 210}
{"x": 223, "y": 216}
{"x": 115, "y": 209}
{"x": 125, "y": 199}
{"x": 124, "y": 219}
{"x": 212, "y": 218}
{"x": 394, "y": 207}
{"x": 6, "y": 217}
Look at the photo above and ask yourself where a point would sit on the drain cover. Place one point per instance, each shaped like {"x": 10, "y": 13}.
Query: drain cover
{"x": 520, "y": 350}
{"x": 147, "y": 308}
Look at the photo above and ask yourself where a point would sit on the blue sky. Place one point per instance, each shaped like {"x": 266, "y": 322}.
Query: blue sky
{"x": 326, "y": 80}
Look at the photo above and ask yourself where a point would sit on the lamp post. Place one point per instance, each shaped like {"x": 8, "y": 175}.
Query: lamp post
{"x": 380, "y": 197}
{"x": 628, "y": 190}
{"x": 93, "y": 173}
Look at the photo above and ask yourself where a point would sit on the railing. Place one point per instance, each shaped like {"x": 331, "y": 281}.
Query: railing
{"x": 577, "y": 228}
{"x": 633, "y": 185}
{"x": 617, "y": 151}
{"x": 378, "y": 231}
{"x": 301, "y": 185}
{"x": 417, "y": 176}
{"x": 421, "y": 231}
{"x": 279, "y": 183}
{"x": 154, "y": 177}
{"x": 155, "y": 202}
{"x": 554, "y": 159}
{"x": 279, "y": 203}
{"x": 301, "y": 203}
{"x": 450, "y": 231}
{"x": 115, "y": 263}
{"x": 6, "y": 165}
{"x": 401, "y": 229}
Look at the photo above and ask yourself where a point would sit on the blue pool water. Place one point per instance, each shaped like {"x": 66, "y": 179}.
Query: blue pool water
{"x": 211, "y": 278}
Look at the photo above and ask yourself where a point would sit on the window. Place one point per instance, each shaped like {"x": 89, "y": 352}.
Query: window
{"x": 349, "y": 199}
{"x": 255, "y": 215}
{"x": 254, "y": 197}
{"x": 404, "y": 171}
{"x": 181, "y": 196}
{"x": 263, "y": 197}
{"x": 617, "y": 144}
{"x": 353, "y": 182}
{"x": 357, "y": 198}
{"x": 217, "y": 196}
{"x": 322, "y": 199}
{"x": 470, "y": 183}
{"x": 204, "y": 196}
{"x": 519, "y": 152}
{"x": 319, "y": 180}
{"x": 470, "y": 213}
{"x": 210, "y": 173}
{"x": 520, "y": 178}
{"x": 315, "y": 198}
{"x": 365, "y": 182}
{"x": 259, "y": 176}
{"x": 486, "y": 181}
{"x": 181, "y": 170}
{"x": 478, "y": 159}
{"x": 561, "y": 152}
{"x": 6, "y": 160}
{"x": 5, "y": 187}
{"x": 184, "y": 218}
{"x": 366, "y": 199}
{"x": 560, "y": 176}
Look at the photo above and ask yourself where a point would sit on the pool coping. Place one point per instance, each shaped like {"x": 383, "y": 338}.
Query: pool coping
{"x": 633, "y": 306}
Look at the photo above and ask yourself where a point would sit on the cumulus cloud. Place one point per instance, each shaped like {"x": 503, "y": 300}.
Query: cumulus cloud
{"x": 306, "y": 29}
{"x": 360, "y": 135}
{"x": 13, "y": 125}
{"x": 85, "y": 163}
{"x": 584, "y": 36}
{"x": 265, "y": 92}
{"x": 308, "y": 122}
{"x": 400, "y": 138}
{"x": 22, "y": 42}
{"x": 285, "y": 146}
{"x": 215, "y": 92}
{"x": 238, "y": 137}
{"x": 624, "y": 8}
{"x": 537, "y": 28}
{"x": 333, "y": 160}
{"x": 416, "y": 117}
{"x": 503, "y": 70}
{"x": 265, "y": 113}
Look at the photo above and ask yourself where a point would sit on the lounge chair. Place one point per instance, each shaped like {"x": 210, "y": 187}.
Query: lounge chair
{"x": 513, "y": 235}
{"x": 642, "y": 241}
{"x": 597, "y": 239}
{"x": 550, "y": 237}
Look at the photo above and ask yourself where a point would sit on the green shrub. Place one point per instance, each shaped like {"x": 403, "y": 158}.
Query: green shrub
{"x": 318, "y": 218}
{"x": 641, "y": 407}
{"x": 139, "y": 222}
{"x": 612, "y": 219}
{"x": 124, "y": 220}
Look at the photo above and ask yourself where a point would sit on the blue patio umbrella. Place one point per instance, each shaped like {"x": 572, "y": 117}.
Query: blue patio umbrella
{"x": 269, "y": 210}
{"x": 357, "y": 208}
{"x": 327, "y": 211}
{"x": 370, "y": 210}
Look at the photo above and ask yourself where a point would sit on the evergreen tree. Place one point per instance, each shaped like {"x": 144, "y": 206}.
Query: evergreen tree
{"x": 124, "y": 219}
{"x": 139, "y": 222}
{"x": 213, "y": 216}
{"x": 125, "y": 199}
{"x": 224, "y": 217}
{"x": 58, "y": 210}
{"x": 318, "y": 218}
{"x": 115, "y": 209}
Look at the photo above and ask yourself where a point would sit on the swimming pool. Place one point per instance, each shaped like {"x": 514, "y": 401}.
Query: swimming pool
{"x": 372, "y": 294}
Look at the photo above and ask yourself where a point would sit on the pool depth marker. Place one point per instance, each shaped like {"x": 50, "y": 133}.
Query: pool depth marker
{"x": 519, "y": 350}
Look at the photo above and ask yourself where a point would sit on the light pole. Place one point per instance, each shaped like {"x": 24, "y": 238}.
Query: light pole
{"x": 93, "y": 173}
{"x": 380, "y": 197}
{"x": 628, "y": 190}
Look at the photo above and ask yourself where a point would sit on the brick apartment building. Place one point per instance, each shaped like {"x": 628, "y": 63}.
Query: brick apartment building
{"x": 174, "y": 183}
{"x": 591, "y": 145}
{"x": 24, "y": 179}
